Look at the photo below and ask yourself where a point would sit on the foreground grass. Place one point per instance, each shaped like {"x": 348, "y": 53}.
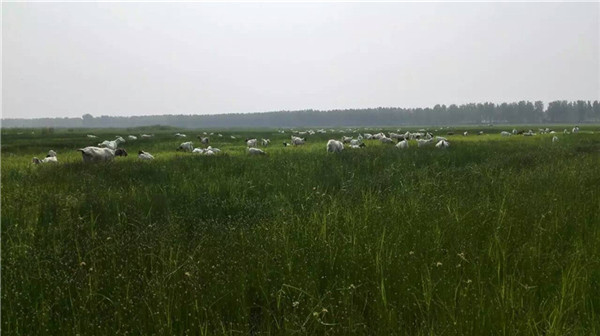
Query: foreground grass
{"x": 492, "y": 236}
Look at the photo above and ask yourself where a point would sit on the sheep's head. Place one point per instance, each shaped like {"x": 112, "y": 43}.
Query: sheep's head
{"x": 120, "y": 152}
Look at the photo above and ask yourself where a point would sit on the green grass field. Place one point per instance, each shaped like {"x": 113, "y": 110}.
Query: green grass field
{"x": 492, "y": 236}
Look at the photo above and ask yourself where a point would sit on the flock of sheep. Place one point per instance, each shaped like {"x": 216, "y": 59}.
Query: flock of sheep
{"x": 108, "y": 149}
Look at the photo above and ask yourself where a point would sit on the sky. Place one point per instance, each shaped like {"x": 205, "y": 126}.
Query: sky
{"x": 120, "y": 59}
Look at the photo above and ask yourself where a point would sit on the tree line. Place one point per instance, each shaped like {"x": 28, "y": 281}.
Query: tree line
{"x": 523, "y": 112}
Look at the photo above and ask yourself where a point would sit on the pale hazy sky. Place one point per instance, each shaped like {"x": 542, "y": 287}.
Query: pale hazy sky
{"x": 68, "y": 59}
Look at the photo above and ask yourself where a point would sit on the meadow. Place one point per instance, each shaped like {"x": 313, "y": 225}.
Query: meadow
{"x": 492, "y": 236}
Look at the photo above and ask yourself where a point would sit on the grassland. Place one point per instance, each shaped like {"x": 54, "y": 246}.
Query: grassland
{"x": 493, "y": 236}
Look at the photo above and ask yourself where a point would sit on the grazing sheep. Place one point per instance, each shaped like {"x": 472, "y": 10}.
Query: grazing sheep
{"x": 396, "y": 136}
{"x": 198, "y": 151}
{"x": 47, "y": 159}
{"x": 422, "y": 143}
{"x": 146, "y": 136}
{"x": 346, "y": 139}
{"x": 378, "y": 136}
{"x": 403, "y": 144}
{"x": 442, "y": 144}
{"x": 514, "y": 131}
{"x": 335, "y": 146}
{"x": 480, "y": 133}
{"x": 565, "y": 131}
{"x": 96, "y": 154}
{"x": 212, "y": 149}
{"x": 358, "y": 146}
{"x": 233, "y": 138}
{"x": 255, "y": 151}
{"x": 251, "y": 142}
{"x": 368, "y": 136}
{"x": 554, "y": 139}
{"x": 132, "y": 137}
{"x": 386, "y": 140}
{"x": 575, "y": 130}
{"x": 145, "y": 155}
{"x": 465, "y": 133}
{"x": 112, "y": 144}
{"x": 296, "y": 141}
{"x": 203, "y": 140}
{"x": 186, "y": 147}
{"x": 51, "y": 153}
{"x": 180, "y": 135}
{"x": 529, "y": 133}
{"x": 265, "y": 142}
{"x": 505, "y": 133}
{"x": 355, "y": 142}
{"x": 91, "y": 136}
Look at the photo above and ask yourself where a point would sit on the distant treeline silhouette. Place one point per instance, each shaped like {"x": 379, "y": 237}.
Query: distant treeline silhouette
{"x": 523, "y": 112}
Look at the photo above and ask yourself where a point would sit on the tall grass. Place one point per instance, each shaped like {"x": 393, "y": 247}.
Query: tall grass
{"x": 491, "y": 236}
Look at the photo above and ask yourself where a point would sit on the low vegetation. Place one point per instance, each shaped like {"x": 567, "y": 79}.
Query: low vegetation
{"x": 493, "y": 235}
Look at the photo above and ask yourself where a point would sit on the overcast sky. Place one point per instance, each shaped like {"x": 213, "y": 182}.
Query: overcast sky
{"x": 68, "y": 59}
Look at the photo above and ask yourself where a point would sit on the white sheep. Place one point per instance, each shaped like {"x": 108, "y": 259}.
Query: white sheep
{"x": 95, "y": 154}
{"x": 362, "y": 144}
{"x": 113, "y": 144}
{"x": 203, "y": 140}
{"x": 48, "y": 159}
{"x": 439, "y": 138}
{"x": 212, "y": 149}
{"x": 505, "y": 133}
{"x": 180, "y": 135}
{"x": 554, "y": 139}
{"x": 465, "y": 133}
{"x": 346, "y": 139}
{"x": 378, "y": 136}
{"x": 403, "y": 144}
{"x": 442, "y": 144}
{"x": 265, "y": 142}
{"x": 198, "y": 151}
{"x": 91, "y": 136}
{"x": 51, "y": 153}
{"x": 146, "y": 136}
{"x": 132, "y": 137}
{"x": 296, "y": 141}
{"x": 386, "y": 140}
{"x": 255, "y": 151}
{"x": 186, "y": 147}
{"x": 575, "y": 130}
{"x": 145, "y": 155}
{"x": 334, "y": 146}
{"x": 422, "y": 142}
{"x": 251, "y": 142}
{"x": 368, "y": 136}
{"x": 355, "y": 142}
